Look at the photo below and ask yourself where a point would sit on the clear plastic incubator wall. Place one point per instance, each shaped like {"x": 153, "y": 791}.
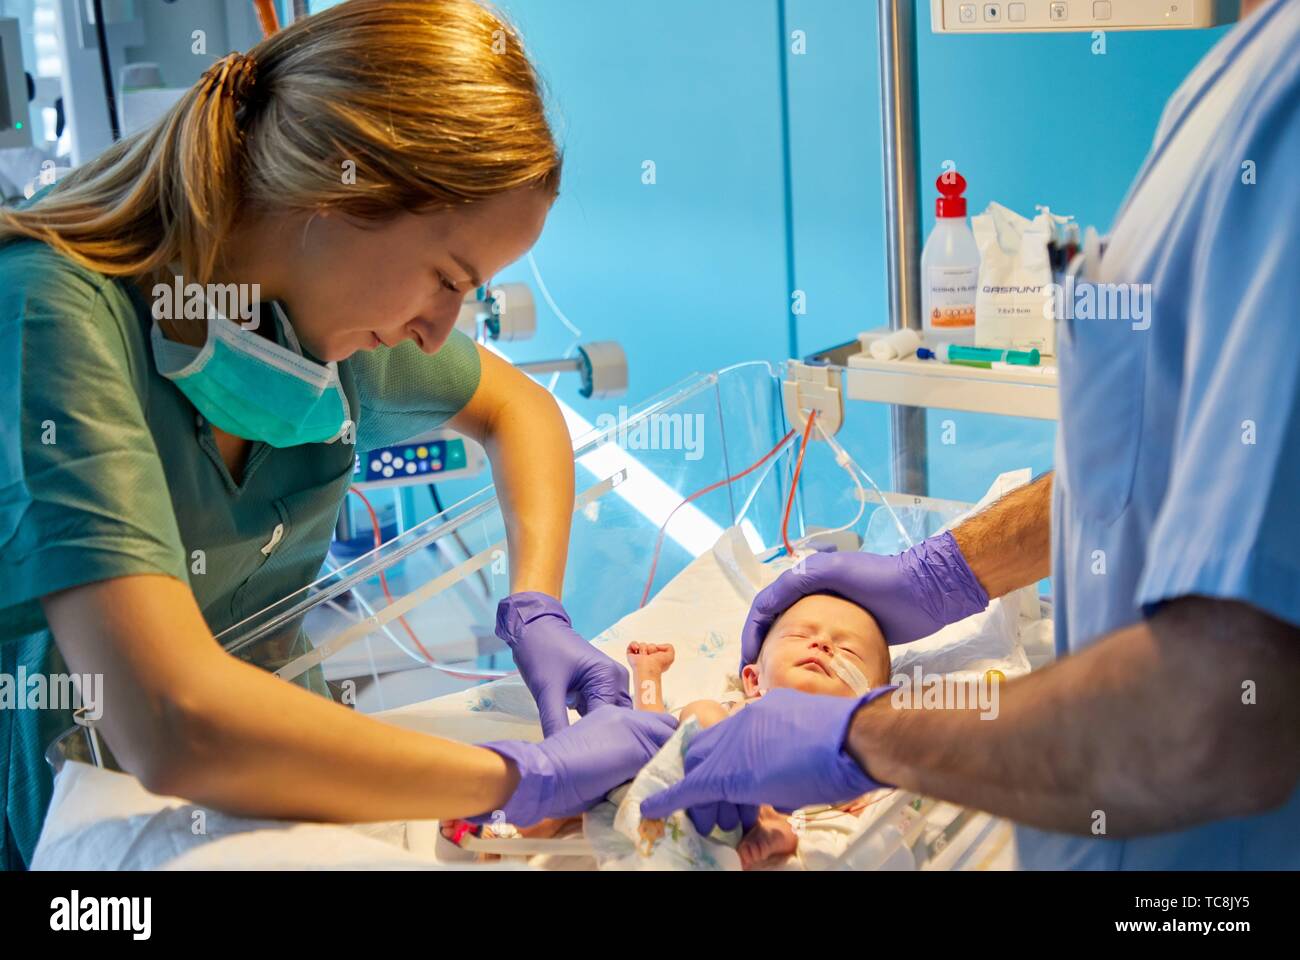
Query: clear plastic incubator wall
{"x": 415, "y": 618}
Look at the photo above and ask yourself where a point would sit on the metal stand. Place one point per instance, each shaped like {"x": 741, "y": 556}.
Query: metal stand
{"x": 897, "y": 29}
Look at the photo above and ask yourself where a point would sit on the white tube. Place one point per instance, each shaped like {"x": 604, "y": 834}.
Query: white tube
{"x": 847, "y": 671}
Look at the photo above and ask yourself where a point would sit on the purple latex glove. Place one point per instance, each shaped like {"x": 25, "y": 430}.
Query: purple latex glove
{"x": 568, "y": 772}
{"x": 558, "y": 666}
{"x": 910, "y": 595}
{"x": 786, "y": 750}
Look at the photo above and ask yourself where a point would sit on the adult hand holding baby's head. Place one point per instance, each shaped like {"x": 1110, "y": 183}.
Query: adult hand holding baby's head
{"x": 911, "y": 595}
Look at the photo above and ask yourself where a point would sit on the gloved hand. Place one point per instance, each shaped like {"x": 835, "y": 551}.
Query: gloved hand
{"x": 786, "y": 749}
{"x": 568, "y": 772}
{"x": 910, "y": 595}
{"x": 558, "y": 666}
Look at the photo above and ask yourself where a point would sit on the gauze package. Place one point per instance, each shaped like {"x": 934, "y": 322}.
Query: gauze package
{"x": 1014, "y": 306}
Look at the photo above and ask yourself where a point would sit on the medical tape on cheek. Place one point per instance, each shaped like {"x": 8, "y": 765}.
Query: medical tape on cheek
{"x": 848, "y": 671}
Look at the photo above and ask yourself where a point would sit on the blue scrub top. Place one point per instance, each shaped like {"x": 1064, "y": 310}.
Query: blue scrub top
{"x": 1178, "y": 456}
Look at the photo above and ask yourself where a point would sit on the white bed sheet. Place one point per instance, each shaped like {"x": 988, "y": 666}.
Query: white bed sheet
{"x": 104, "y": 820}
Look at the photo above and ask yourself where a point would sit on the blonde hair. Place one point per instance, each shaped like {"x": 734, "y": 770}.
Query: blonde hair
{"x": 429, "y": 103}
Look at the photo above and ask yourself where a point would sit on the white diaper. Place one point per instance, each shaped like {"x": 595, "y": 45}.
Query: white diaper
{"x": 624, "y": 841}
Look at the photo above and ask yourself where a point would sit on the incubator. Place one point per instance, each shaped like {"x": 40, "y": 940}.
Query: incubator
{"x": 656, "y": 488}
{"x": 712, "y": 479}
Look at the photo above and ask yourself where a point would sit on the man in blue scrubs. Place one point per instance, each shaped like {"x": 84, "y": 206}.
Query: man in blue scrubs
{"x": 1167, "y": 735}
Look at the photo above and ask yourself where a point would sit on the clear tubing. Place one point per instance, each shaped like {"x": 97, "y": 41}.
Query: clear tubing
{"x": 744, "y": 510}
{"x": 848, "y": 671}
{"x": 841, "y": 452}
{"x": 843, "y": 460}
{"x": 461, "y": 673}
{"x": 546, "y": 295}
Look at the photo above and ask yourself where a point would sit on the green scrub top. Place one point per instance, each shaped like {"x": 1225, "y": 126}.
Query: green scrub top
{"x": 93, "y": 437}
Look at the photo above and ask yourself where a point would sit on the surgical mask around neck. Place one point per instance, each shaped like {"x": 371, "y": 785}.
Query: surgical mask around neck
{"x": 252, "y": 387}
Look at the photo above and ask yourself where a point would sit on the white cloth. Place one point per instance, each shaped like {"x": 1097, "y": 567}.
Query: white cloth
{"x": 625, "y": 841}
{"x": 103, "y": 820}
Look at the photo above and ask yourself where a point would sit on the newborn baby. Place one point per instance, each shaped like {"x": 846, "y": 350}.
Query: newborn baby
{"x": 797, "y": 653}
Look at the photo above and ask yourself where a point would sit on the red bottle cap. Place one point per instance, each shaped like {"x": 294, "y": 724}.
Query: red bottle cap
{"x": 952, "y": 204}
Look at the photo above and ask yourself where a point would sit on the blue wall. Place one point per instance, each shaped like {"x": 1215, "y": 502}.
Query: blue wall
{"x": 687, "y": 273}
{"x": 690, "y": 274}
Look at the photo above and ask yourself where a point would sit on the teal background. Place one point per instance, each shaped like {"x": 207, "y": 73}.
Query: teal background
{"x": 690, "y": 274}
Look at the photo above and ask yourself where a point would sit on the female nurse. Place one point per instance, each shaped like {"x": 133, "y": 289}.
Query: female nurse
{"x": 167, "y": 472}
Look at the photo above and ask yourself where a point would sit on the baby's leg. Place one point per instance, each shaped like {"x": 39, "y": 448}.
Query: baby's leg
{"x": 648, "y": 662}
{"x": 769, "y": 841}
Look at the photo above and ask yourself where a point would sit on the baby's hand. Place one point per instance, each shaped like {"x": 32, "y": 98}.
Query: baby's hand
{"x": 650, "y": 660}
{"x": 769, "y": 841}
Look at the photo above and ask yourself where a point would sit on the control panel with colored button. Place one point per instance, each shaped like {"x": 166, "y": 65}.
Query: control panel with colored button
{"x": 429, "y": 458}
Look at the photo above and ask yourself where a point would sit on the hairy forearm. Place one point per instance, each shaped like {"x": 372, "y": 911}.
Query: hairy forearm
{"x": 1008, "y": 545}
{"x": 1148, "y": 727}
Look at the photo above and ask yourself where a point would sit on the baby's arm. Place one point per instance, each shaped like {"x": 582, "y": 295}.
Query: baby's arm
{"x": 648, "y": 662}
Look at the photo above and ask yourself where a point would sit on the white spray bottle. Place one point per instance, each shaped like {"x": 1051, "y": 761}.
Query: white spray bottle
{"x": 950, "y": 268}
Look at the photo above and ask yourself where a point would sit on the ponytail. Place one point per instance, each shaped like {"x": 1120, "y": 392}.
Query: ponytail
{"x": 433, "y": 103}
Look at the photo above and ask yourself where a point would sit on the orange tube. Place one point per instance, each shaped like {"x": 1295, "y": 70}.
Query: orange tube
{"x": 267, "y": 16}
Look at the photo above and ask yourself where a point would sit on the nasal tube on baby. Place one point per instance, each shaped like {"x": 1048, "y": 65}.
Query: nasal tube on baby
{"x": 848, "y": 671}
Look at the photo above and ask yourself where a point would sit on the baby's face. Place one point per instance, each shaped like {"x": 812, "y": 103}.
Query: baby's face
{"x": 798, "y": 649}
